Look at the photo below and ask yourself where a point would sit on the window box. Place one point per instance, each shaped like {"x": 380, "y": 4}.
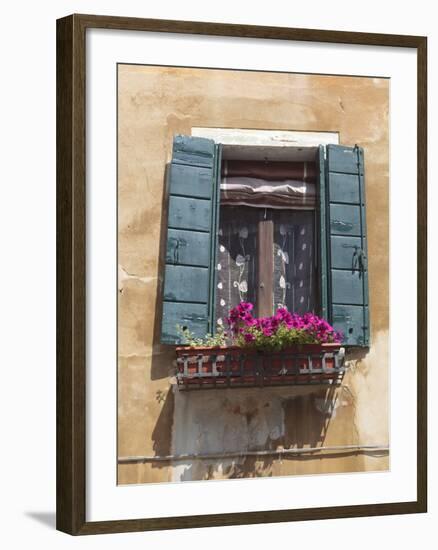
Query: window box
{"x": 228, "y": 367}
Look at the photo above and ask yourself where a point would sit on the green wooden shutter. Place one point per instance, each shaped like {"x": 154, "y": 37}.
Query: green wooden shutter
{"x": 344, "y": 272}
{"x": 191, "y": 238}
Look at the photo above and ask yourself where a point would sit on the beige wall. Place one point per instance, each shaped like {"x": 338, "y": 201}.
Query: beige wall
{"x": 155, "y": 419}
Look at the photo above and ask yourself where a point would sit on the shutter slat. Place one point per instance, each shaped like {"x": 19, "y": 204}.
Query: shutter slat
{"x": 347, "y": 243}
{"x": 186, "y": 284}
{"x": 188, "y": 248}
{"x": 342, "y": 159}
{"x": 345, "y": 189}
{"x": 347, "y": 287}
{"x": 344, "y": 218}
{"x": 192, "y": 316}
{"x": 193, "y": 151}
{"x": 342, "y": 250}
{"x": 349, "y": 320}
{"x": 190, "y": 181}
{"x": 191, "y": 229}
{"x": 188, "y": 213}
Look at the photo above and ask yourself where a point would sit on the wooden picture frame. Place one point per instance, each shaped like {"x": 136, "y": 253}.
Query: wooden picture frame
{"x": 71, "y": 273}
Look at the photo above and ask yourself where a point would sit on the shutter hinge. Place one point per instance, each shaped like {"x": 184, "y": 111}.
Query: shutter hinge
{"x": 357, "y": 149}
{"x": 359, "y": 260}
{"x": 176, "y": 252}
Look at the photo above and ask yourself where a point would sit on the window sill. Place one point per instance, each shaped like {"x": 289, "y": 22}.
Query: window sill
{"x": 231, "y": 367}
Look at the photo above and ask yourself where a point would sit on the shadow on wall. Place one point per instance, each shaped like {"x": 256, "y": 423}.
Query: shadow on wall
{"x": 162, "y": 432}
{"x": 307, "y": 417}
{"x": 204, "y": 422}
{"x": 355, "y": 355}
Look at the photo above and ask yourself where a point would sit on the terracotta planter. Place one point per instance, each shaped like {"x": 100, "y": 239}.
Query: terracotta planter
{"x": 234, "y": 366}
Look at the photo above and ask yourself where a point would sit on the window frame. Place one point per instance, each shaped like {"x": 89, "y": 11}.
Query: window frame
{"x": 265, "y": 239}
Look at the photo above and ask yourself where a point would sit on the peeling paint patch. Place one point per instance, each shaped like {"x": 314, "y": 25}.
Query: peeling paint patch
{"x": 368, "y": 382}
{"x": 236, "y": 422}
{"x": 123, "y": 276}
{"x": 326, "y": 407}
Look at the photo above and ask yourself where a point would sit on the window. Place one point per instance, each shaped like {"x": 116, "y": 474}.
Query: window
{"x": 267, "y": 252}
{"x": 266, "y": 225}
{"x": 266, "y": 257}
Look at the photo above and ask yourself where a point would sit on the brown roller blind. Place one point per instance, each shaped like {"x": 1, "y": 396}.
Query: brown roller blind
{"x": 270, "y": 170}
{"x": 285, "y": 185}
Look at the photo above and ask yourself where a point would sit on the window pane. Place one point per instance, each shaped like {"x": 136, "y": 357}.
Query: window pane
{"x": 294, "y": 260}
{"x": 237, "y": 259}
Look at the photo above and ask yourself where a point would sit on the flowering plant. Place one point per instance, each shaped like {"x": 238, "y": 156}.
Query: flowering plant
{"x": 220, "y": 339}
{"x": 278, "y": 331}
{"x": 272, "y": 333}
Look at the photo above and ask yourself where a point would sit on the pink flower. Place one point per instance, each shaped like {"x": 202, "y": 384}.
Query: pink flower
{"x": 241, "y": 321}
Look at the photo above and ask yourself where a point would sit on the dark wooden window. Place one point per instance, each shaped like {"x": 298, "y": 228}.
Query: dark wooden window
{"x": 266, "y": 256}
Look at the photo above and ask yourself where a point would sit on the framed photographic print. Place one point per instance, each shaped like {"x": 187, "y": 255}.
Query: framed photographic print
{"x": 241, "y": 283}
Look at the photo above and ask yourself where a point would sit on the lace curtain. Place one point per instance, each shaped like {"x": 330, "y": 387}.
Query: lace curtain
{"x": 294, "y": 261}
{"x": 294, "y": 281}
{"x": 237, "y": 259}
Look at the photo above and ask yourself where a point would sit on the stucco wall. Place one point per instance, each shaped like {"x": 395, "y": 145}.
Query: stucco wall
{"x": 155, "y": 103}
